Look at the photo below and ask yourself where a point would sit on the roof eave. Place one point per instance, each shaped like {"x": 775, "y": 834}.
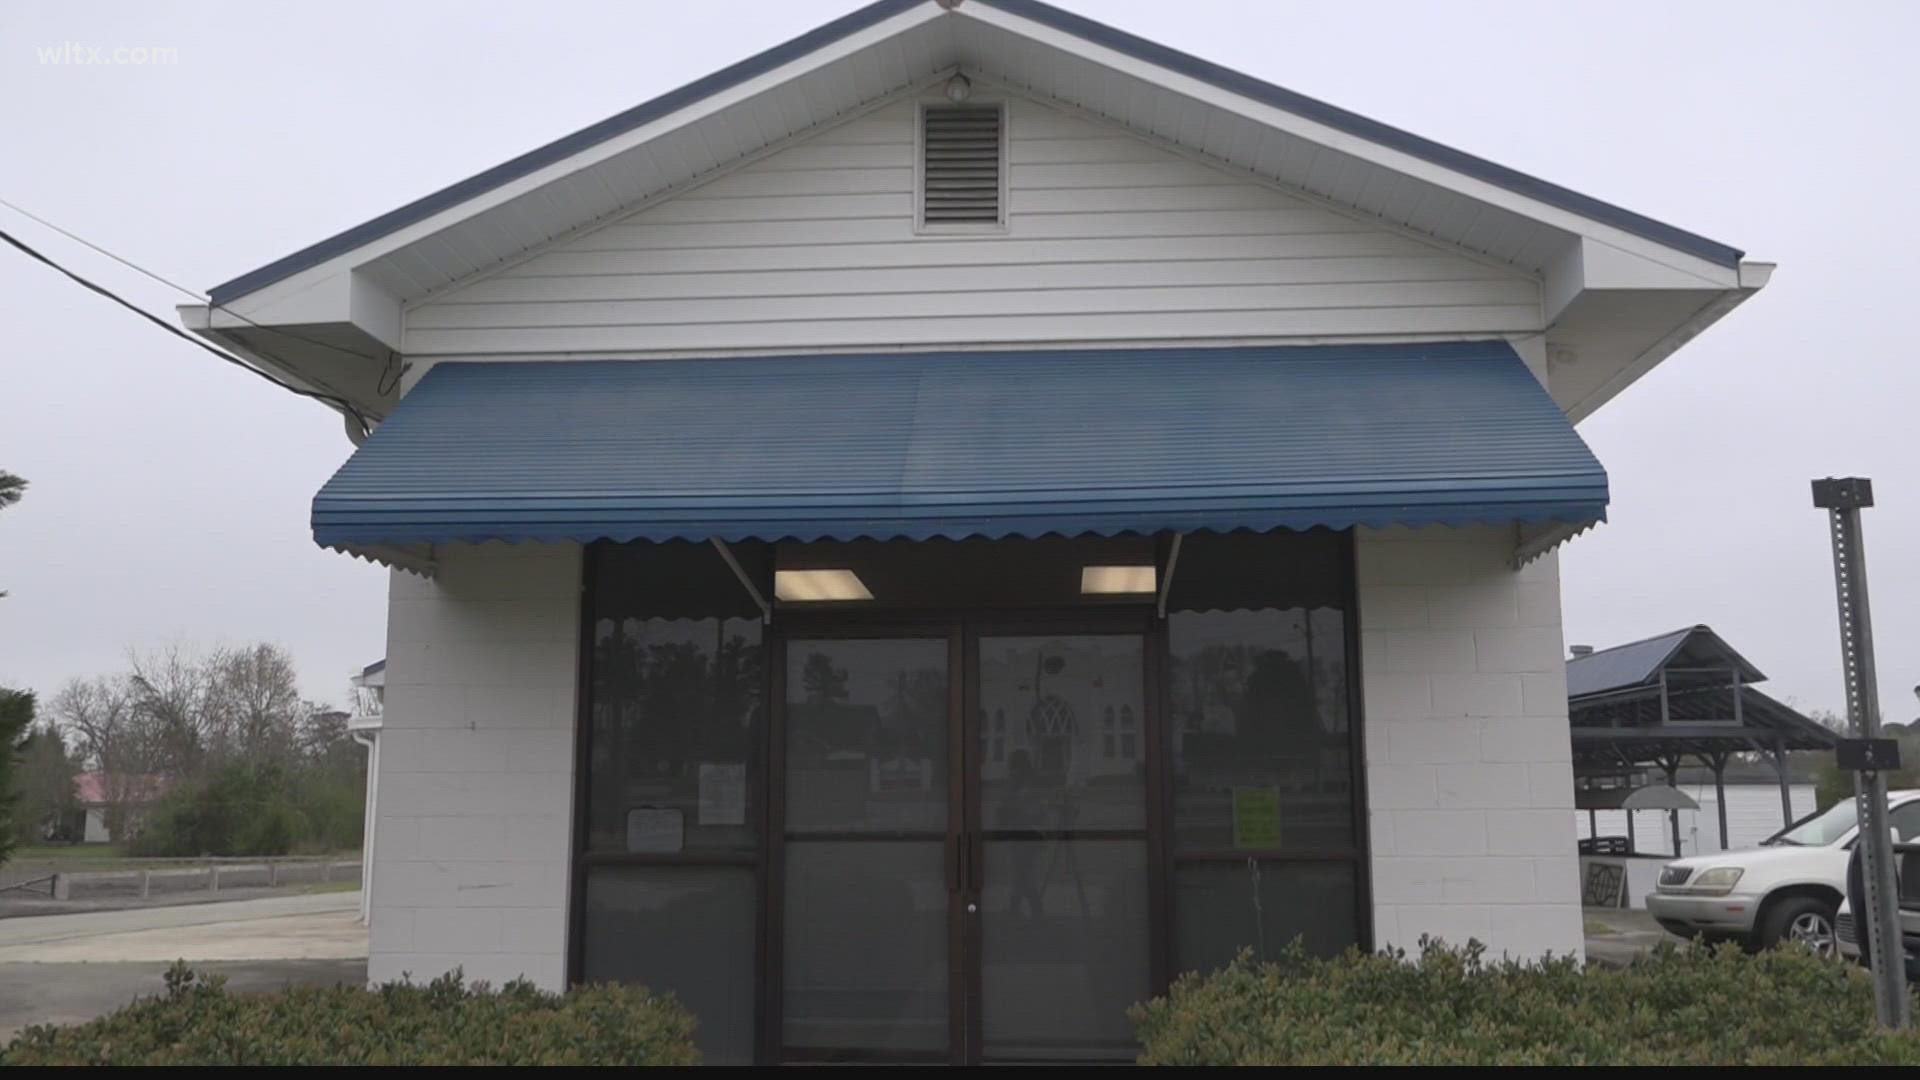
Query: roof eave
{"x": 566, "y": 146}
{"x": 1347, "y": 126}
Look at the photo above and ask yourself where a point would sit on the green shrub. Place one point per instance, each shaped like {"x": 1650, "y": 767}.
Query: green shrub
{"x": 197, "y": 1022}
{"x": 333, "y": 808}
{"x": 275, "y": 827}
{"x": 248, "y": 809}
{"x": 1452, "y": 1007}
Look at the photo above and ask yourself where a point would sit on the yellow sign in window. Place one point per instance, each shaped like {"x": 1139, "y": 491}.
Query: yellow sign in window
{"x": 1256, "y": 817}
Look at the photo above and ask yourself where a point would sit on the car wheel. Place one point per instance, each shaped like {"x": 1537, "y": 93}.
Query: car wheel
{"x": 1800, "y": 919}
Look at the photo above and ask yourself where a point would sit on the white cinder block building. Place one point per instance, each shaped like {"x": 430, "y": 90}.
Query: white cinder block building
{"x": 918, "y": 537}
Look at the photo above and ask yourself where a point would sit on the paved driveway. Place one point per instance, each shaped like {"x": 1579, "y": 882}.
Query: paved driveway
{"x": 1617, "y": 936}
{"x": 66, "y": 968}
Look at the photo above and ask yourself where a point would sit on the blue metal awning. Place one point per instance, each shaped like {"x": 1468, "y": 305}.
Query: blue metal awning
{"x": 989, "y": 444}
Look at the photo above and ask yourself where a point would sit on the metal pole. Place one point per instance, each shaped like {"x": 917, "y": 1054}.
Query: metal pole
{"x": 1786, "y": 789}
{"x": 1166, "y": 583}
{"x": 1719, "y": 762}
{"x": 1843, "y": 499}
{"x": 733, "y": 564}
{"x": 1673, "y": 816}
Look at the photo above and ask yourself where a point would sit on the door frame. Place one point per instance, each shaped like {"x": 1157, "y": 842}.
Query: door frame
{"x": 1143, "y": 627}
{"x": 830, "y": 620}
{"x": 965, "y": 840}
{"x": 773, "y": 1046}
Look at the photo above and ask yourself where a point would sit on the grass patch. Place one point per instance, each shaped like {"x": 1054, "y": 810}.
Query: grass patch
{"x": 64, "y": 853}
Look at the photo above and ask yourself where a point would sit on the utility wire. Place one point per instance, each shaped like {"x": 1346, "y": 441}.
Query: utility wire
{"x": 189, "y": 293}
{"x": 86, "y": 243}
{"x": 338, "y": 402}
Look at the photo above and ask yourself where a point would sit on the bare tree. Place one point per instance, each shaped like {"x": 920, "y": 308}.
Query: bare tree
{"x": 170, "y": 696}
{"x": 324, "y": 734}
{"x": 253, "y": 705}
{"x": 112, "y": 737}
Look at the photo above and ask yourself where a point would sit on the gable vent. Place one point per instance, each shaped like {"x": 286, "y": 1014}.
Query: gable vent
{"x": 960, "y": 165}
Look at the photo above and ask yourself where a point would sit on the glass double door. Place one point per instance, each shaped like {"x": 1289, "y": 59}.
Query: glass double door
{"x": 963, "y": 872}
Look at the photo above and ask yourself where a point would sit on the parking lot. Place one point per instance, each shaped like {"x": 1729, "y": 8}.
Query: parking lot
{"x": 68, "y": 968}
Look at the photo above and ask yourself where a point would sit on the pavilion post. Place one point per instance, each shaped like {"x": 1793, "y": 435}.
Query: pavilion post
{"x": 1632, "y": 845}
{"x": 1672, "y": 765}
{"x": 1786, "y": 791}
{"x": 1719, "y": 763}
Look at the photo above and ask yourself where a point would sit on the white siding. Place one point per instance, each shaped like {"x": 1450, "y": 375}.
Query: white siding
{"x": 476, "y": 767}
{"x": 1109, "y": 238}
{"x": 1469, "y": 765}
{"x": 1753, "y": 814}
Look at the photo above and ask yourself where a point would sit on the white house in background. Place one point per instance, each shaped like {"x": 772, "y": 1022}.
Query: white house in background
{"x": 96, "y": 794}
{"x": 782, "y": 479}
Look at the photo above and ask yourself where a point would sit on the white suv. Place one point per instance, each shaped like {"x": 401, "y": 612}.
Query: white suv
{"x": 1788, "y": 888}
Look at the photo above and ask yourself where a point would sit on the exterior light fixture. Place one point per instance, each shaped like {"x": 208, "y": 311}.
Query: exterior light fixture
{"x": 1117, "y": 580}
{"x": 959, "y": 89}
{"x": 813, "y": 586}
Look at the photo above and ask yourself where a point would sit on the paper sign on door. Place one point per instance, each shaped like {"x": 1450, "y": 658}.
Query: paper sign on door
{"x": 723, "y": 793}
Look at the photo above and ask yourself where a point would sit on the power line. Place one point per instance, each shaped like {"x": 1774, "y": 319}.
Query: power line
{"x": 338, "y": 402}
{"x": 86, "y": 243}
{"x": 191, "y": 294}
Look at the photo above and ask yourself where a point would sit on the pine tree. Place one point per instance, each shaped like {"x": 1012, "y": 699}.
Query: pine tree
{"x": 16, "y": 716}
{"x": 12, "y": 489}
{"x": 44, "y": 781}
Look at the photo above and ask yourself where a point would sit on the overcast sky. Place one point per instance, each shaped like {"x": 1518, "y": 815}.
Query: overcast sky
{"x": 170, "y": 492}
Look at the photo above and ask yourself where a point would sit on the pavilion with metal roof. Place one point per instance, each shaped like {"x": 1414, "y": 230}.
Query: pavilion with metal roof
{"x": 1662, "y": 700}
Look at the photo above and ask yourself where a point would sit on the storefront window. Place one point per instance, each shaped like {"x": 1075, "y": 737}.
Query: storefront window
{"x": 1263, "y": 747}
{"x": 815, "y": 909}
{"x": 675, "y": 751}
{"x": 1263, "y": 758}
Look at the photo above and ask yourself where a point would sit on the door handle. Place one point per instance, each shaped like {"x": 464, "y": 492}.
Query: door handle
{"x": 963, "y": 871}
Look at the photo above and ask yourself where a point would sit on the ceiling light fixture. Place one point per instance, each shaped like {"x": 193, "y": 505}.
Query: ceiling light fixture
{"x": 1117, "y": 580}
{"x": 959, "y": 89}
{"x": 815, "y": 586}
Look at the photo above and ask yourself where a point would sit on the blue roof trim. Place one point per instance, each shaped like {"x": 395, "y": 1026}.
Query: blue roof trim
{"x": 558, "y": 150}
{"x": 1098, "y": 33}
{"x": 1372, "y": 130}
{"x": 956, "y": 445}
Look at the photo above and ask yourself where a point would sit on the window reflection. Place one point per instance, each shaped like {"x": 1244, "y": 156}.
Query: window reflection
{"x": 1266, "y": 906}
{"x": 684, "y": 930}
{"x": 1262, "y": 746}
{"x": 1062, "y": 767}
{"x": 867, "y": 735}
{"x": 676, "y": 710}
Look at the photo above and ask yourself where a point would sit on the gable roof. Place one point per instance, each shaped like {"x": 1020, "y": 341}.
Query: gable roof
{"x": 558, "y": 150}
{"x": 96, "y": 788}
{"x": 1638, "y": 663}
{"x": 1084, "y": 29}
